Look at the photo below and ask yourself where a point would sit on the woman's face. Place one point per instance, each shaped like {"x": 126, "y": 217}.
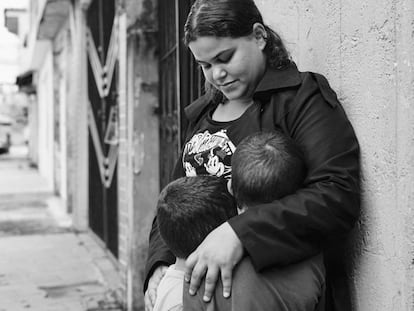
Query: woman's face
{"x": 233, "y": 65}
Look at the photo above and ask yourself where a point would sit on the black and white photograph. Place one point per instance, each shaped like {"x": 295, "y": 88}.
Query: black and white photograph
{"x": 216, "y": 155}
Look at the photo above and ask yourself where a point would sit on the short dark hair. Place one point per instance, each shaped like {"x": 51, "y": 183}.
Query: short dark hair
{"x": 233, "y": 19}
{"x": 266, "y": 167}
{"x": 189, "y": 208}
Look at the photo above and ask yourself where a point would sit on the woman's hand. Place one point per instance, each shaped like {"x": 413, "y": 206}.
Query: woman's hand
{"x": 151, "y": 292}
{"x": 220, "y": 251}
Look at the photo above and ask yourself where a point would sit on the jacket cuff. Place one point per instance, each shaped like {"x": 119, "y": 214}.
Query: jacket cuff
{"x": 251, "y": 248}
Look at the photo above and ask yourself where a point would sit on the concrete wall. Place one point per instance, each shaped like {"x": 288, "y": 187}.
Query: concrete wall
{"x": 139, "y": 146}
{"x": 45, "y": 117}
{"x": 366, "y": 49}
{"x": 77, "y": 120}
{"x": 62, "y": 58}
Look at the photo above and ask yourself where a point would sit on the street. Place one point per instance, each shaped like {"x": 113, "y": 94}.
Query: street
{"x": 44, "y": 264}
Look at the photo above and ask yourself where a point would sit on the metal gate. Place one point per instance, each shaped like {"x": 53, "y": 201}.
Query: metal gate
{"x": 180, "y": 82}
{"x": 102, "y": 47}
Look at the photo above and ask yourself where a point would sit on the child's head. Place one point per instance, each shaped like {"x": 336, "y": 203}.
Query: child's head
{"x": 189, "y": 208}
{"x": 266, "y": 167}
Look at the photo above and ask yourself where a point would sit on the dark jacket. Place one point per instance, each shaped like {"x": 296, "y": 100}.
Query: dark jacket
{"x": 316, "y": 217}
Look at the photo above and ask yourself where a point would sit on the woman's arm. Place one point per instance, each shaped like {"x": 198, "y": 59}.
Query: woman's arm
{"x": 298, "y": 226}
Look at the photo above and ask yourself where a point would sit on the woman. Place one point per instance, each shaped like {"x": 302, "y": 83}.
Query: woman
{"x": 253, "y": 85}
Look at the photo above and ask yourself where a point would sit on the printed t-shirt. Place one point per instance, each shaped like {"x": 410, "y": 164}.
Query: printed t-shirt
{"x": 209, "y": 150}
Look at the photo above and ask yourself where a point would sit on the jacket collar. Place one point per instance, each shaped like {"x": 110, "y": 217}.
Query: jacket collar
{"x": 273, "y": 79}
{"x": 193, "y": 110}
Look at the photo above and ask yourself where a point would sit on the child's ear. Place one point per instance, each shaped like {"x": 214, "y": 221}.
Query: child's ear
{"x": 229, "y": 188}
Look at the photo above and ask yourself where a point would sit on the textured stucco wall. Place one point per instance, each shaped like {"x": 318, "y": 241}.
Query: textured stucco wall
{"x": 366, "y": 49}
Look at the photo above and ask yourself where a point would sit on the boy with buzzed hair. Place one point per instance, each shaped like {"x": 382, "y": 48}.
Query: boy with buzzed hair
{"x": 266, "y": 166}
{"x": 194, "y": 206}
{"x": 190, "y": 207}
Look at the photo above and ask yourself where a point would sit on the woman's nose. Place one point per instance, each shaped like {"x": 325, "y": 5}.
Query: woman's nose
{"x": 219, "y": 73}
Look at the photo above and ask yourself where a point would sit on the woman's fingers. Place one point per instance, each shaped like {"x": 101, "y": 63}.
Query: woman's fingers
{"x": 211, "y": 273}
{"x": 216, "y": 256}
{"x": 226, "y": 278}
{"x": 189, "y": 265}
{"x": 210, "y": 283}
{"x": 197, "y": 275}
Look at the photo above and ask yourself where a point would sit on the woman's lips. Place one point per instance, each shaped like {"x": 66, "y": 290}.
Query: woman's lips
{"x": 226, "y": 85}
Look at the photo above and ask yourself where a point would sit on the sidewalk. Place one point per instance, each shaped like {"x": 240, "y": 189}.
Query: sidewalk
{"x": 16, "y": 177}
{"x": 44, "y": 264}
{"x": 56, "y": 272}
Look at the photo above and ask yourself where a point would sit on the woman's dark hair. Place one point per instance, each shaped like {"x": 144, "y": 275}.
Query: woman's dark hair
{"x": 234, "y": 19}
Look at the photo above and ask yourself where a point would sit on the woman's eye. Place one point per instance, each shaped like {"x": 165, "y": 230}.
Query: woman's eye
{"x": 225, "y": 58}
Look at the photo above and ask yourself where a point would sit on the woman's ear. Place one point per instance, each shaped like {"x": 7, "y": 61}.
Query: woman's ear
{"x": 260, "y": 35}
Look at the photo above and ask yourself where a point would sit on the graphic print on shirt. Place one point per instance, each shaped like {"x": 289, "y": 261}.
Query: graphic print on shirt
{"x": 209, "y": 154}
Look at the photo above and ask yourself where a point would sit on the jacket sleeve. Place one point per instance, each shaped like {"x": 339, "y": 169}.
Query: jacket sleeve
{"x": 325, "y": 209}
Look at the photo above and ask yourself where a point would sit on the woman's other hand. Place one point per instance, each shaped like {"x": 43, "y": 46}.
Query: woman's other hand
{"x": 154, "y": 281}
{"x": 220, "y": 251}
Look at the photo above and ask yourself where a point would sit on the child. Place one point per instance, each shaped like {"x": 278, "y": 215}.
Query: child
{"x": 191, "y": 207}
{"x": 188, "y": 209}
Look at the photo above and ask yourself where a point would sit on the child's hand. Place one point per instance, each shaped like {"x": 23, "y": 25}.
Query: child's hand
{"x": 220, "y": 251}
{"x": 151, "y": 292}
